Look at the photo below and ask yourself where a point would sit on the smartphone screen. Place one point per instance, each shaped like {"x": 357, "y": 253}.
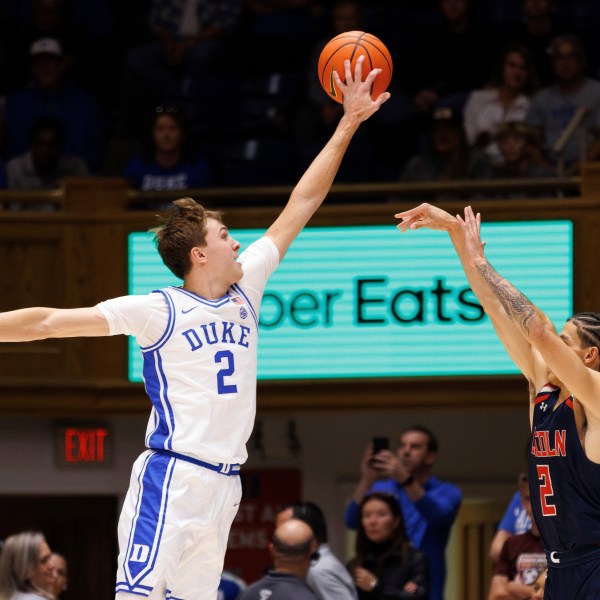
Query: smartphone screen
{"x": 380, "y": 443}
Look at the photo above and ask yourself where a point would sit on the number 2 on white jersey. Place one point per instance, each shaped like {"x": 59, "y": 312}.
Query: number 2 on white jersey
{"x": 222, "y": 387}
{"x": 546, "y": 491}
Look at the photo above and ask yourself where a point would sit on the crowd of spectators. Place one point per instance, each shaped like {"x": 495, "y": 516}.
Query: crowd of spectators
{"x": 240, "y": 77}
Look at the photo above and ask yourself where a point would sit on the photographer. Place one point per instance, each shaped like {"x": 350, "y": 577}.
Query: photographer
{"x": 429, "y": 505}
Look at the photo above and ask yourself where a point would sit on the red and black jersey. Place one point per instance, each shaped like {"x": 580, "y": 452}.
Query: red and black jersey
{"x": 564, "y": 482}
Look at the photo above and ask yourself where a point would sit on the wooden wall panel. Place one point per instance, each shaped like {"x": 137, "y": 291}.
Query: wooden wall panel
{"x": 77, "y": 257}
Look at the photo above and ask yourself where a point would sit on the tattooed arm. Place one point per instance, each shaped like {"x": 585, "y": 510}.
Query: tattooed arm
{"x": 465, "y": 236}
{"x": 562, "y": 355}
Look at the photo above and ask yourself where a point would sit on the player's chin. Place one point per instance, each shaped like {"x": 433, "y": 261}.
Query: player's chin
{"x": 238, "y": 273}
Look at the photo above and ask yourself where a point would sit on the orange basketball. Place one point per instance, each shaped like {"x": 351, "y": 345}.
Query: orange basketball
{"x": 351, "y": 45}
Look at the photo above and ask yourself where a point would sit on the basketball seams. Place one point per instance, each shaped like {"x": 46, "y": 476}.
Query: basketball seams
{"x": 351, "y": 57}
{"x": 347, "y": 46}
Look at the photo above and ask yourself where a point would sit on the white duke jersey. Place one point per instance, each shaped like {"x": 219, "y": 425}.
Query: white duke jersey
{"x": 200, "y": 360}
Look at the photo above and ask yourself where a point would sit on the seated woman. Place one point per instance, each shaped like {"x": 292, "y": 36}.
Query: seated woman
{"x": 386, "y": 565}
{"x": 506, "y": 98}
{"x": 167, "y": 163}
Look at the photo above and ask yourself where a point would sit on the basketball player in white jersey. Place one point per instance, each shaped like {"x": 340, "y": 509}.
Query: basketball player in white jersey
{"x": 199, "y": 344}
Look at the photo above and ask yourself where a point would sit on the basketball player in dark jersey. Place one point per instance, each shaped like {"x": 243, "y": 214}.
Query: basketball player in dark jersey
{"x": 564, "y": 460}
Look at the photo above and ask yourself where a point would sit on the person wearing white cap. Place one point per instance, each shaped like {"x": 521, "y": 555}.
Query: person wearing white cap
{"x": 51, "y": 93}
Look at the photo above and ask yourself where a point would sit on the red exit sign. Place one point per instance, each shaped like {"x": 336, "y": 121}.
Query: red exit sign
{"x": 81, "y": 444}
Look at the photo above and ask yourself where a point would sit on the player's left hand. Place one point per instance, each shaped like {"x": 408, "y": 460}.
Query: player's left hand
{"x": 471, "y": 226}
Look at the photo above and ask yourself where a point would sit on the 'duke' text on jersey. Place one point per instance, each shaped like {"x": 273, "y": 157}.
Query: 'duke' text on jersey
{"x": 223, "y": 332}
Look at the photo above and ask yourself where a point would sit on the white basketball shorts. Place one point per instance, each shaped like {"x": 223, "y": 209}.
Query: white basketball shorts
{"x": 173, "y": 529}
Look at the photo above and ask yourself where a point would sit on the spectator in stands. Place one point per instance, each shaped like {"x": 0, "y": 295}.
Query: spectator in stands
{"x": 506, "y": 98}
{"x": 292, "y": 28}
{"x": 514, "y": 522}
{"x": 318, "y": 115}
{"x": 539, "y": 586}
{"x": 522, "y": 558}
{"x": 50, "y": 94}
{"x": 520, "y": 152}
{"x": 230, "y": 586}
{"x": 45, "y": 164}
{"x": 553, "y": 108}
{"x": 446, "y": 155}
{"x": 344, "y": 15}
{"x": 291, "y": 551}
{"x": 167, "y": 163}
{"x": 429, "y": 506}
{"x": 386, "y": 565}
{"x": 445, "y": 68}
{"x": 83, "y": 33}
{"x": 327, "y": 576}
{"x": 25, "y": 573}
{"x": 60, "y": 582}
{"x": 188, "y": 40}
{"x": 536, "y": 31}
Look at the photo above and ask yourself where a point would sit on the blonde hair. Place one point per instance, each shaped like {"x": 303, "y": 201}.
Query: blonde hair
{"x": 19, "y": 559}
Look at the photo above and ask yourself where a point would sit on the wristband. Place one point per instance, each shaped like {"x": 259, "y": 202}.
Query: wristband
{"x": 408, "y": 480}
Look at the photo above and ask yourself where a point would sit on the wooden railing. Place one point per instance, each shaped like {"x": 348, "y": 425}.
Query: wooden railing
{"x": 76, "y": 256}
{"x": 469, "y": 567}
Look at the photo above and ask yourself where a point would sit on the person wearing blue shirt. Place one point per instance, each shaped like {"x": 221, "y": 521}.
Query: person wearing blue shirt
{"x": 429, "y": 505}
{"x": 514, "y": 522}
{"x": 167, "y": 163}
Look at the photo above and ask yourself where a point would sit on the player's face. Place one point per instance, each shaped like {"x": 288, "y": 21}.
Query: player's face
{"x": 571, "y": 338}
{"x": 378, "y": 521}
{"x": 221, "y": 250}
{"x": 412, "y": 450}
{"x": 43, "y": 575}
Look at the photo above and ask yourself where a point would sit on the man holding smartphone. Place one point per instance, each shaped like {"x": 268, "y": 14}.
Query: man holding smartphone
{"x": 429, "y": 505}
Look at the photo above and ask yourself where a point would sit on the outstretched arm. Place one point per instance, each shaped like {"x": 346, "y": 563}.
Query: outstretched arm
{"x": 496, "y": 294}
{"x": 28, "y": 324}
{"x": 465, "y": 236}
{"x": 314, "y": 185}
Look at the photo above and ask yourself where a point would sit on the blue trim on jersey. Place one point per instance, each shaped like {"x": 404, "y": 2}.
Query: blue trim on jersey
{"x": 154, "y": 417}
{"x": 170, "y": 324}
{"x": 215, "y": 303}
{"x": 239, "y": 290}
{"x": 123, "y": 587}
{"x": 146, "y": 533}
{"x": 157, "y": 388}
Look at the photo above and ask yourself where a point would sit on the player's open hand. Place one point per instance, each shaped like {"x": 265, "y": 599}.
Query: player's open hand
{"x": 424, "y": 215}
{"x": 471, "y": 226}
{"x": 357, "y": 93}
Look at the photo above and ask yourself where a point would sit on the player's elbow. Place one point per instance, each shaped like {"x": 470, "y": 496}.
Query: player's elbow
{"x": 540, "y": 329}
